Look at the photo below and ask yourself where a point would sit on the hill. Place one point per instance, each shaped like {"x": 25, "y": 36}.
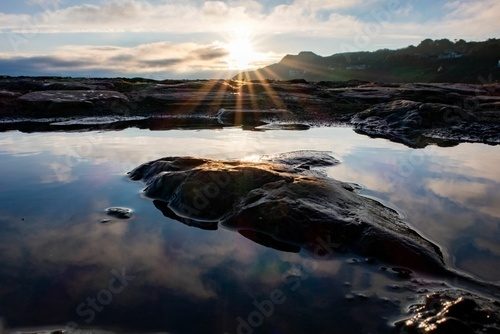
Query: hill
{"x": 430, "y": 61}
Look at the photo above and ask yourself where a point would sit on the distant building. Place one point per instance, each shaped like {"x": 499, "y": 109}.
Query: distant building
{"x": 450, "y": 55}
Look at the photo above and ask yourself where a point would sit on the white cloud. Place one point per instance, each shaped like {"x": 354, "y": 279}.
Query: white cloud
{"x": 304, "y": 20}
{"x": 144, "y": 58}
{"x": 153, "y": 59}
{"x": 300, "y": 16}
{"x": 215, "y": 8}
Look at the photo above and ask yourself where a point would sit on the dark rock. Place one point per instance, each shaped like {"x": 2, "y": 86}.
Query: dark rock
{"x": 252, "y": 117}
{"x": 169, "y": 213}
{"x": 120, "y": 213}
{"x": 452, "y": 311}
{"x": 285, "y": 126}
{"x": 402, "y": 272}
{"x": 302, "y": 159}
{"x": 68, "y": 86}
{"x": 74, "y": 102}
{"x": 285, "y": 207}
{"x": 416, "y": 123}
{"x": 7, "y": 94}
{"x": 413, "y": 114}
{"x": 7, "y": 102}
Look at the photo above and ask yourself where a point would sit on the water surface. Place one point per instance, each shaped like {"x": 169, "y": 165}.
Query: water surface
{"x": 59, "y": 263}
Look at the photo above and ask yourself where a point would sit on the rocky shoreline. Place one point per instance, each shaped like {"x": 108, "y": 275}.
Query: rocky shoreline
{"x": 416, "y": 114}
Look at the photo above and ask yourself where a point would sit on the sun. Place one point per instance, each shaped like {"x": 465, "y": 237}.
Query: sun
{"x": 241, "y": 52}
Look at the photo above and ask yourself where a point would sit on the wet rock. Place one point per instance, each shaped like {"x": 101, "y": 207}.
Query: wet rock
{"x": 250, "y": 116}
{"x": 169, "y": 213}
{"x": 414, "y": 114}
{"x": 402, "y": 273}
{"x": 74, "y": 102}
{"x": 285, "y": 126}
{"x": 7, "y": 102}
{"x": 7, "y": 94}
{"x": 64, "y": 86}
{"x": 416, "y": 123}
{"x": 284, "y": 206}
{"x": 120, "y": 213}
{"x": 452, "y": 311}
{"x": 302, "y": 159}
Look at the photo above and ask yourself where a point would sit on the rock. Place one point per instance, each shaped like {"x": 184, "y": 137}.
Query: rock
{"x": 451, "y": 113}
{"x": 302, "y": 159}
{"x": 282, "y": 205}
{"x": 120, "y": 213}
{"x": 7, "y": 102}
{"x": 74, "y": 102}
{"x": 452, "y": 311}
{"x": 7, "y": 94}
{"x": 416, "y": 124}
{"x": 69, "y": 85}
{"x": 284, "y": 126}
{"x": 251, "y": 117}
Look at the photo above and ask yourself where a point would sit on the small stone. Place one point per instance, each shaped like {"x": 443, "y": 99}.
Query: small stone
{"x": 120, "y": 213}
{"x": 402, "y": 272}
{"x": 349, "y": 296}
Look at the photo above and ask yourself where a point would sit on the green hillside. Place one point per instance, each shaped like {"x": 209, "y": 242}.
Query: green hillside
{"x": 430, "y": 61}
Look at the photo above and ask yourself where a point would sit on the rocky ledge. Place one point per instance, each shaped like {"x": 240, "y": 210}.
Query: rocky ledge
{"x": 413, "y": 114}
{"x": 417, "y": 124}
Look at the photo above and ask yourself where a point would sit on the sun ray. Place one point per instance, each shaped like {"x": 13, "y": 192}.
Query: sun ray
{"x": 270, "y": 92}
{"x": 252, "y": 95}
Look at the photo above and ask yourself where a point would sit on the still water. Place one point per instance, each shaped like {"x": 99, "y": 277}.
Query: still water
{"x": 61, "y": 267}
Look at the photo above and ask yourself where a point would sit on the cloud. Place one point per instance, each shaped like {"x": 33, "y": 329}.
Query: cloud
{"x": 216, "y": 8}
{"x": 162, "y": 57}
{"x": 299, "y": 16}
{"x": 469, "y": 194}
{"x": 325, "y": 26}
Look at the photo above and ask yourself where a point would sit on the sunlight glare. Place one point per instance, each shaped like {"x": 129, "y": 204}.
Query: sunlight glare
{"x": 241, "y": 53}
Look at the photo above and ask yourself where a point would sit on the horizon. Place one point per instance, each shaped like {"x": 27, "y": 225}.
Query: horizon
{"x": 159, "y": 39}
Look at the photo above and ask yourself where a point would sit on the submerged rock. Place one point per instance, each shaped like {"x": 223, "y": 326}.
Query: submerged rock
{"x": 281, "y": 204}
{"x": 452, "y": 311}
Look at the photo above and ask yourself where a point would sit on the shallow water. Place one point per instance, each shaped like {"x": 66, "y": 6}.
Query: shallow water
{"x": 59, "y": 263}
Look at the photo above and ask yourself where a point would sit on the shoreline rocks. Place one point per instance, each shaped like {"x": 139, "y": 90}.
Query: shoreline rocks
{"x": 411, "y": 114}
{"x": 416, "y": 124}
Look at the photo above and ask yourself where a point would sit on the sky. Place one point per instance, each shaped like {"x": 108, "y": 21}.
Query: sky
{"x": 215, "y": 39}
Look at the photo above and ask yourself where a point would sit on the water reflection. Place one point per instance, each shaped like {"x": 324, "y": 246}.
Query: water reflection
{"x": 55, "y": 254}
